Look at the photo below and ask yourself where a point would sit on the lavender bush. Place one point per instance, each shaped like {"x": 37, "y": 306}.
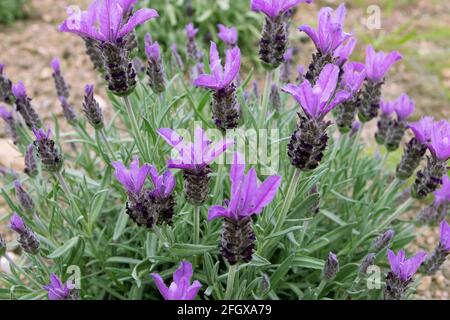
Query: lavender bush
{"x": 225, "y": 193}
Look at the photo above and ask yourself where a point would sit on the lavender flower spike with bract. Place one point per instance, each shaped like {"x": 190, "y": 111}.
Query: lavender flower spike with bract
{"x": 30, "y": 162}
{"x": 352, "y": 80}
{"x": 385, "y": 121}
{"x": 109, "y": 23}
{"x": 327, "y": 38}
{"x": 177, "y": 58}
{"x": 274, "y": 35}
{"x": 27, "y": 239}
{"x": 147, "y": 207}
{"x": 194, "y": 159}
{"x": 435, "y": 260}
{"x": 225, "y": 107}
{"x": 286, "y": 67}
{"x": 24, "y": 107}
{"x": 8, "y": 117}
{"x": 310, "y": 140}
{"x": 404, "y": 107}
{"x": 228, "y": 35}
{"x": 155, "y": 66}
{"x": 181, "y": 287}
{"x": 191, "y": 48}
{"x": 68, "y": 111}
{"x": 430, "y": 178}
{"x": 23, "y": 197}
{"x": 248, "y": 197}
{"x": 62, "y": 89}
{"x": 331, "y": 267}
{"x": 59, "y": 291}
{"x": 91, "y": 109}
{"x": 416, "y": 148}
{"x": 6, "y": 94}
{"x": 48, "y": 152}
{"x": 401, "y": 274}
{"x": 377, "y": 65}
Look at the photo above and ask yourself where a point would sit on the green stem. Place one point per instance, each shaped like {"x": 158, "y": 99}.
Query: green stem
{"x": 265, "y": 98}
{"x": 232, "y": 271}
{"x": 135, "y": 128}
{"x": 69, "y": 195}
{"x": 11, "y": 262}
{"x": 288, "y": 200}
{"x": 196, "y": 224}
{"x": 107, "y": 144}
{"x": 320, "y": 289}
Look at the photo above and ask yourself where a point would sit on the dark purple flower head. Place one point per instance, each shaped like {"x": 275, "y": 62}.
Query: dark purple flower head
{"x": 354, "y": 76}
{"x": 132, "y": 179}
{"x": 404, "y": 107}
{"x": 19, "y": 91}
{"x": 164, "y": 184}
{"x": 403, "y": 267}
{"x": 41, "y": 134}
{"x": 181, "y": 287}
{"x": 228, "y": 35}
{"x": 317, "y": 101}
{"x": 330, "y": 30}
{"x": 445, "y": 235}
{"x": 344, "y": 51}
{"x": 152, "y": 48}
{"x": 55, "y": 65}
{"x": 288, "y": 55}
{"x": 56, "y": 289}
{"x": 106, "y": 20}
{"x": 248, "y": 195}
{"x": 422, "y": 129}
{"x": 379, "y": 63}
{"x": 387, "y": 107}
{"x": 17, "y": 224}
{"x": 442, "y": 195}
{"x": 275, "y": 8}
{"x": 220, "y": 77}
{"x": 439, "y": 144}
{"x": 2, "y": 66}
{"x": 5, "y": 114}
{"x": 192, "y": 156}
{"x": 191, "y": 31}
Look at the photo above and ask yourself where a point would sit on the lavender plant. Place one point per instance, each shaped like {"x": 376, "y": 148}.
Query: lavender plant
{"x": 114, "y": 204}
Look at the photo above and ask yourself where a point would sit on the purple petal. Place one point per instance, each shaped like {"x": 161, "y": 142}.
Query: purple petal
{"x": 193, "y": 290}
{"x": 161, "y": 286}
{"x": 139, "y": 17}
{"x": 215, "y": 212}
{"x": 172, "y": 138}
{"x": 184, "y": 271}
{"x": 237, "y": 171}
{"x": 266, "y": 193}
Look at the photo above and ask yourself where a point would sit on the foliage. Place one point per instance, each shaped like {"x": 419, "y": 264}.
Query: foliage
{"x": 11, "y": 10}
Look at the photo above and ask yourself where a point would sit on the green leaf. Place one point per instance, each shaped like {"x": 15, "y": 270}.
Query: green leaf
{"x": 120, "y": 225}
{"x": 64, "y": 248}
{"x": 186, "y": 250}
{"x": 281, "y": 271}
{"x": 308, "y": 263}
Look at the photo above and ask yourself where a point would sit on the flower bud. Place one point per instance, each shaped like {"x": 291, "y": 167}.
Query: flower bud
{"x": 331, "y": 267}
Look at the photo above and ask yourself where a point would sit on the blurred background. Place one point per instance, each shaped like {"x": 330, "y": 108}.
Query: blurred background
{"x": 419, "y": 29}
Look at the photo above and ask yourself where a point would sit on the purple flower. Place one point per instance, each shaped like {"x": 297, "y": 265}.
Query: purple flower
{"x": 191, "y": 31}
{"x": 220, "y": 78}
{"x": 445, "y": 235}
{"x": 132, "y": 179}
{"x": 41, "y": 135}
{"x": 288, "y": 55}
{"x": 195, "y": 155}
{"x": 440, "y": 140}
{"x": 354, "y": 76}
{"x": 379, "y": 63}
{"x": 248, "y": 195}
{"x": 55, "y": 65}
{"x": 19, "y": 91}
{"x": 17, "y": 224}
{"x": 164, "y": 184}
{"x": 442, "y": 195}
{"x": 317, "y": 101}
{"x": 344, "y": 51}
{"x": 5, "y": 114}
{"x": 404, "y": 107}
{"x": 330, "y": 30}
{"x": 151, "y": 48}
{"x": 228, "y": 35}
{"x": 56, "y": 289}
{"x": 106, "y": 20}
{"x": 181, "y": 287}
{"x": 275, "y": 8}
{"x": 2, "y": 66}
{"x": 387, "y": 108}
{"x": 403, "y": 267}
{"x": 422, "y": 129}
